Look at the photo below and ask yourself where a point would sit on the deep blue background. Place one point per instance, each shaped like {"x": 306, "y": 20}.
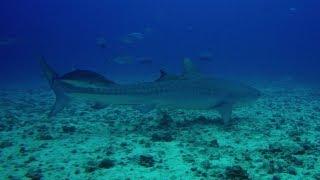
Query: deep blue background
{"x": 268, "y": 38}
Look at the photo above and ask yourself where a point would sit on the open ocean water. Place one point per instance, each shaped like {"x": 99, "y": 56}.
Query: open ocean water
{"x": 272, "y": 46}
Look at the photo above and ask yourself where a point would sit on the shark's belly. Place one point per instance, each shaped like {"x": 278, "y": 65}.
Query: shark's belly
{"x": 177, "y": 94}
{"x": 108, "y": 99}
{"x": 174, "y": 99}
{"x": 185, "y": 101}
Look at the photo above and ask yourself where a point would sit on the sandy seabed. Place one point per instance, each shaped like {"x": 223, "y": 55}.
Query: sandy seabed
{"x": 277, "y": 137}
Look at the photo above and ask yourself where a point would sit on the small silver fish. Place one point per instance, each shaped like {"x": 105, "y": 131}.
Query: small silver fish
{"x": 123, "y": 60}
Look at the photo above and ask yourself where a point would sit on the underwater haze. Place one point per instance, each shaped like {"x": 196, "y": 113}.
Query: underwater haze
{"x": 121, "y": 90}
{"x": 268, "y": 38}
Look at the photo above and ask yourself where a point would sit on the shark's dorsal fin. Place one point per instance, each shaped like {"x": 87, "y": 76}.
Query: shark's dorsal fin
{"x": 164, "y": 76}
{"x": 189, "y": 70}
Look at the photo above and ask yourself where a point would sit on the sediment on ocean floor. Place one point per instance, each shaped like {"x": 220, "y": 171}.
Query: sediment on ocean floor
{"x": 275, "y": 138}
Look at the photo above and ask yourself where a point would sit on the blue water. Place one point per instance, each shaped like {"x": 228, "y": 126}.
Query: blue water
{"x": 271, "y": 45}
{"x": 261, "y": 38}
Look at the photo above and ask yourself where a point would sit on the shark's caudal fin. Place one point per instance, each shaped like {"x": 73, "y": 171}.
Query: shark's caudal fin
{"x": 61, "y": 102}
{"x": 61, "y": 99}
{"x": 48, "y": 72}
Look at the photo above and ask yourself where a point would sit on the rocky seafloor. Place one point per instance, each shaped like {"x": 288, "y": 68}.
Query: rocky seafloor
{"x": 277, "y": 137}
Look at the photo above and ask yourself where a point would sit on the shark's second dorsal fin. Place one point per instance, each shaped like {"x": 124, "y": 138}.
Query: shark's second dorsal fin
{"x": 189, "y": 70}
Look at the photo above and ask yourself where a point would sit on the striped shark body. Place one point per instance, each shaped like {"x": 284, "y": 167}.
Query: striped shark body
{"x": 190, "y": 90}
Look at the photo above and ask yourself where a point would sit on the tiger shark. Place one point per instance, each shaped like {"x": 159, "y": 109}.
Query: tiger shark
{"x": 190, "y": 90}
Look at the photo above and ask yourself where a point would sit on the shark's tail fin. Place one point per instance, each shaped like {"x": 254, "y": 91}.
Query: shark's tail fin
{"x": 61, "y": 99}
{"x": 48, "y": 72}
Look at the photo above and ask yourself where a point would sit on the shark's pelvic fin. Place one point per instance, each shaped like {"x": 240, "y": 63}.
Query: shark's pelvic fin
{"x": 225, "y": 111}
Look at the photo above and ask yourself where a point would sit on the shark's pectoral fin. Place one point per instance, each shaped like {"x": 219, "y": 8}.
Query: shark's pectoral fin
{"x": 61, "y": 102}
{"x": 225, "y": 110}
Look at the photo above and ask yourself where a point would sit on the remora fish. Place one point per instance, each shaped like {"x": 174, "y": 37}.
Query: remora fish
{"x": 187, "y": 91}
